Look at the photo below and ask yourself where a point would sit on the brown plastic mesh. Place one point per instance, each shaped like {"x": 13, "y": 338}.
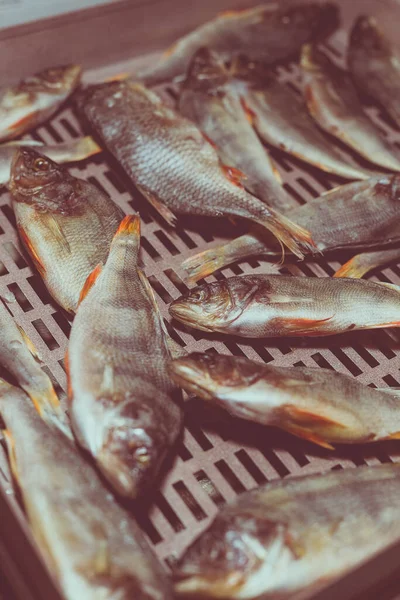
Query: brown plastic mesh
{"x": 219, "y": 456}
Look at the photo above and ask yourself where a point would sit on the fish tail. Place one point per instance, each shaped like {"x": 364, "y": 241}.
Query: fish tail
{"x": 204, "y": 263}
{"x": 130, "y": 225}
{"x": 297, "y": 239}
{"x": 355, "y": 268}
{"x": 85, "y": 148}
{"x": 47, "y": 404}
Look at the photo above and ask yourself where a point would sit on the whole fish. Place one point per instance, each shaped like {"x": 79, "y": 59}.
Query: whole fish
{"x": 65, "y": 223}
{"x": 293, "y": 534}
{"x": 361, "y": 264}
{"x": 209, "y": 101}
{"x": 281, "y": 118}
{"x": 91, "y": 545}
{"x": 268, "y": 32}
{"x": 359, "y": 215}
{"x": 334, "y": 103}
{"x": 318, "y": 405}
{"x": 35, "y": 99}
{"x": 173, "y": 165}
{"x": 19, "y": 357}
{"x": 276, "y": 305}
{"x": 121, "y": 397}
{"x": 66, "y": 152}
{"x": 374, "y": 65}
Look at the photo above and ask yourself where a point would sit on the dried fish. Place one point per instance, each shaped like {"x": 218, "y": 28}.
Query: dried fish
{"x": 35, "y": 99}
{"x": 318, "y": 405}
{"x": 361, "y": 264}
{"x": 122, "y": 399}
{"x": 90, "y": 544}
{"x": 65, "y": 223}
{"x": 276, "y": 305}
{"x": 293, "y": 534}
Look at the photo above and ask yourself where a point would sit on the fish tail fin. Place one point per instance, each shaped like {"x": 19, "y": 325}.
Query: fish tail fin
{"x": 85, "y": 147}
{"x": 130, "y": 225}
{"x": 354, "y": 268}
{"x": 45, "y": 400}
{"x": 297, "y": 239}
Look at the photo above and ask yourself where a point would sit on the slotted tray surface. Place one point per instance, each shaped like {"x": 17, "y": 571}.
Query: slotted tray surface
{"x": 219, "y": 456}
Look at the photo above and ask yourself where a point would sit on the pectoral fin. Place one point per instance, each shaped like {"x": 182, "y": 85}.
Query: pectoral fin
{"x": 30, "y": 345}
{"x": 163, "y": 210}
{"x": 89, "y": 283}
{"x": 234, "y": 175}
{"x": 302, "y": 325}
{"x": 303, "y": 423}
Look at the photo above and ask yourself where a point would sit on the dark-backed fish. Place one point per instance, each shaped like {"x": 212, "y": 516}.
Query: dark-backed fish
{"x": 66, "y": 152}
{"x": 293, "y": 534}
{"x": 281, "y": 118}
{"x": 359, "y": 215}
{"x": 173, "y": 164}
{"x": 65, "y": 223}
{"x": 335, "y": 105}
{"x": 375, "y": 65}
{"x": 269, "y": 32}
{"x": 318, "y": 405}
{"x": 122, "y": 400}
{"x": 277, "y": 305}
{"x": 208, "y": 99}
{"x": 91, "y": 545}
{"x": 35, "y": 99}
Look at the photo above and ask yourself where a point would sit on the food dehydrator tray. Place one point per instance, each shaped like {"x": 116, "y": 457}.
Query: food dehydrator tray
{"x": 218, "y": 456}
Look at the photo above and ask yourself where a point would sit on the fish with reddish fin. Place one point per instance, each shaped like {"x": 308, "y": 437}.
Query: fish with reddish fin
{"x": 208, "y": 99}
{"x": 93, "y": 547}
{"x": 318, "y": 405}
{"x": 123, "y": 405}
{"x": 19, "y": 357}
{"x": 173, "y": 165}
{"x": 375, "y": 65}
{"x": 281, "y": 118}
{"x": 294, "y": 534}
{"x": 65, "y": 223}
{"x": 361, "y": 264}
{"x": 269, "y": 32}
{"x": 35, "y": 99}
{"x": 335, "y": 105}
{"x": 258, "y": 306}
{"x": 359, "y": 215}
{"x": 66, "y": 152}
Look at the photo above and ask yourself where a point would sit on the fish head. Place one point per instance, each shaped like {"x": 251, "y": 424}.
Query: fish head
{"x": 367, "y": 37}
{"x": 56, "y": 80}
{"x": 32, "y": 171}
{"x": 133, "y": 449}
{"x": 208, "y": 307}
{"x": 206, "y": 71}
{"x": 239, "y": 556}
{"x": 208, "y": 375}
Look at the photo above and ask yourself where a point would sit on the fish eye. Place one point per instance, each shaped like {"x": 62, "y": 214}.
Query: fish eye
{"x": 142, "y": 455}
{"x": 198, "y": 295}
{"x": 41, "y": 164}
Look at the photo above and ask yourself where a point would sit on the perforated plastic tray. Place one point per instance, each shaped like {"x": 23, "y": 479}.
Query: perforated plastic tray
{"x": 219, "y": 457}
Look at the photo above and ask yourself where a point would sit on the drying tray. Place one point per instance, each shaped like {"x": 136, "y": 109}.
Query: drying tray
{"x": 218, "y": 457}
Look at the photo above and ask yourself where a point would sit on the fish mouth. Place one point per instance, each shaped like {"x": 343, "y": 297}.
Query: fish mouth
{"x": 209, "y": 587}
{"x": 187, "y": 315}
{"x": 21, "y": 180}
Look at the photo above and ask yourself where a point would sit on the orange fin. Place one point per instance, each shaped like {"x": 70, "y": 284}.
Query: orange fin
{"x": 276, "y": 172}
{"x": 89, "y": 283}
{"x": 29, "y": 344}
{"x": 209, "y": 140}
{"x": 23, "y": 123}
{"x": 32, "y": 252}
{"x": 163, "y": 210}
{"x": 234, "y": 175}
{"x": 250, "y": 114}
{"x": 352, "y": 268}
{"x": 117, "y": 77}
{"x": 302, "y": 324}
{"x": 300, "y": 415}
{"x": 11, "y": 452}
{"x": 393, "y": 436}
{"x": 130, "y": 225}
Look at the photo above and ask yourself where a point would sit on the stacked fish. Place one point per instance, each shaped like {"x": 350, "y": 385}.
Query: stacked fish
{"x": 125, "y": 373}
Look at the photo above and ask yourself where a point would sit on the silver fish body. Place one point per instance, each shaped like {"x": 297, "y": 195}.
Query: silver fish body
{"x": 173, "y": 165}
{"x": 318, "y": 405}
{"x": 290, "y": 535}
{"x": 374, "y": 65}
{"x": 35, "y": 99}
{"x": 276, "y": 305}
{"x": 65, "y": 223}
{"x": 93, "y": 547}
{"x": 208, "y": 100}
{"x": 360, "y": 215}
{"x": 269, "y": 32}
{"x": 335, "y": 105}
{"x": 122, "y": 401}
{"x": 66, "y": 152}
